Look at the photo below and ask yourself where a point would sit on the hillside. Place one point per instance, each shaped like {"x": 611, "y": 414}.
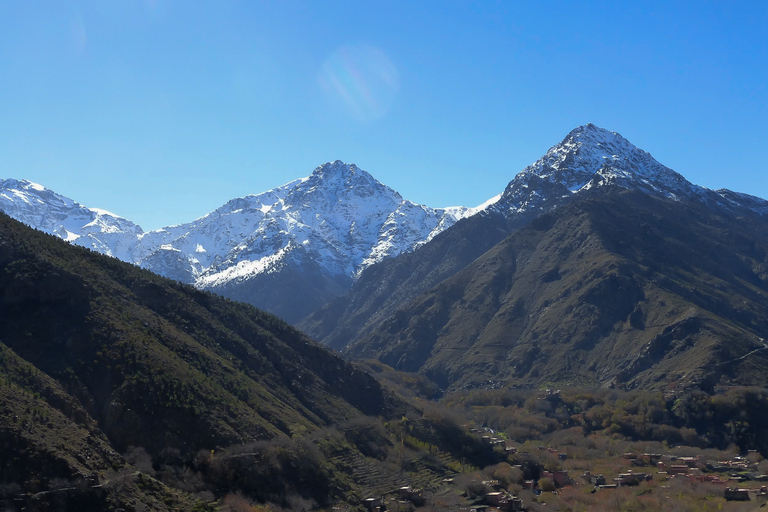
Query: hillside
{"x": 588, "y": 161}
{"x": 622, "y": 288}
{"x": 386, "y": 286}
{"x": 100, "y": 358}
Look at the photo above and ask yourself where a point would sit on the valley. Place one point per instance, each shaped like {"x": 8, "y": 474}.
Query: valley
{"x": 592, "y": 338}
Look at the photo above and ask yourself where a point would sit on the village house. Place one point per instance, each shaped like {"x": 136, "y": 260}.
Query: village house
{"x": 736, "y": 494}
{"x": 504, "y": 501}
{"x": 691, "y": 462}
{"x": 560, "y": 478}
{"x": 713, "y": 479}
{"x": 374, "y": 505}
{"x": 407, "y": 493}
{"x": 496, "y": 499}
{"x": 631, "y": 478}
{"x": 678, "y": 469}
{"x": 593, "y": 479}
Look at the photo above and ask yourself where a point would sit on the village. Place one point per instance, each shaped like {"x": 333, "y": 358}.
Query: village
{"x": 735, "y": 479}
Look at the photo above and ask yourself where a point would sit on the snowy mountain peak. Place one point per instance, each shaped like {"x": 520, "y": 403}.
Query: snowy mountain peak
{"x": 589, "y": 150}
{"x": 341, "y": 194}
{"x": 340, "y": 173}
{"x": 12, "y": 183}
{"x": 53, "y": 213}
{"x": 341, "y": 180}
{"x": 336, "y": 222}
{"x": 592, "y": 132}
{"x": 31, "y": 193}
{"x": 588, "y": 157}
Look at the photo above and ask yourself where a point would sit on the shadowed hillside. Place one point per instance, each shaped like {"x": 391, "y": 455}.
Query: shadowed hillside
{"x": 100, "y": 357}
{"x": 384, "y": 287}
{"x": 622, "y": 289}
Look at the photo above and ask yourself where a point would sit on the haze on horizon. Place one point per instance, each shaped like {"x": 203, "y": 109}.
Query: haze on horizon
{"x": 162, "y": 110}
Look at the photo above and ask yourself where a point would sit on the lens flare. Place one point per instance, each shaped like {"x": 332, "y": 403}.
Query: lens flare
{"x": 362, "y": 79}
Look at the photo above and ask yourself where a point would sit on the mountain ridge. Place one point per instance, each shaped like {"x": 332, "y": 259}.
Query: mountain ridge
{"x": 674, "y": 294}
{"x": 327, "y": 229}
{"x": 101, "y": 359}
{"x": 587, "y": 160}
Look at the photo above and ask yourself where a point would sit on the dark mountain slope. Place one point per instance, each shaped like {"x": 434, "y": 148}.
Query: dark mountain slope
{"x": 278, "y": 291}
{"x": 126, "y": 358}
{"x": 621, "y": 288}
{"x": 588, "y": 160}
{"x": 56, "y": 458}
{"x": 384, "y": 287}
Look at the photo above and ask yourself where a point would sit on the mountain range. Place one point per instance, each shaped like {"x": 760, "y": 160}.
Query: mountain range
{"x": 293, "y": 249}
{"x": 287, "y": 250}
{"x": 537, "y": 284}
{"x": 587, "y": 161}
{"x": 99, "y": 358}
{"x": 597, "y": 265}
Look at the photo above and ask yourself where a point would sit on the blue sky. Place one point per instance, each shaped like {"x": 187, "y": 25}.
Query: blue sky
{"x": 162, "y": 110}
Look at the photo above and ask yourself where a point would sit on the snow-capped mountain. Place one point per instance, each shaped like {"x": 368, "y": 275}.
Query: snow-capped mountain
{"x": 340, "y": 217}
{"x": 290, "y": 249}
{"x": 591, "y": 157}
{"x": 328, "y": 227}
{"x": 53, "y": 213}
{"x": 590, "y": 162}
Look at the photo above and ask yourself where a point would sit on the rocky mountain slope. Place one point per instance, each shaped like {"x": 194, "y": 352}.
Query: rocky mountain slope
{"x": 392, "y": 283}
{"x": 303, "y": 246}
{"x": 288, "y": 250}
{"x": 100, "y": 357}
{"x": 621, "y": 288}
{"x": 589, "y": 159}
{"x": 52, "y": 213}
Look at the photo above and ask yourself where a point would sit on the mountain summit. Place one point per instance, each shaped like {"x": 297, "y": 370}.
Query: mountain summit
{"x": 345, "y": 179}
{"x": 588, "y": 157}
{"x": 287, "y": 250}
{"x": 291, "y": 249}
{"x": 588, "y": 163}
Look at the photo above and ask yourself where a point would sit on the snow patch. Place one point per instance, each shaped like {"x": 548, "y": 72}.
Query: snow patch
{"x": 241, "y": 270}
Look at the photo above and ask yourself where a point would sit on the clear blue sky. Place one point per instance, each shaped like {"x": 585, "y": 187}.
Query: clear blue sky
{"x": 162, "y": 110}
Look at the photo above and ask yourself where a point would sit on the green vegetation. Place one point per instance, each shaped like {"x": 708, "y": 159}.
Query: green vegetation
{"x": 99, "y": 358}
{"x": 123, "y": 390}
{"x": 736, "y": 418}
